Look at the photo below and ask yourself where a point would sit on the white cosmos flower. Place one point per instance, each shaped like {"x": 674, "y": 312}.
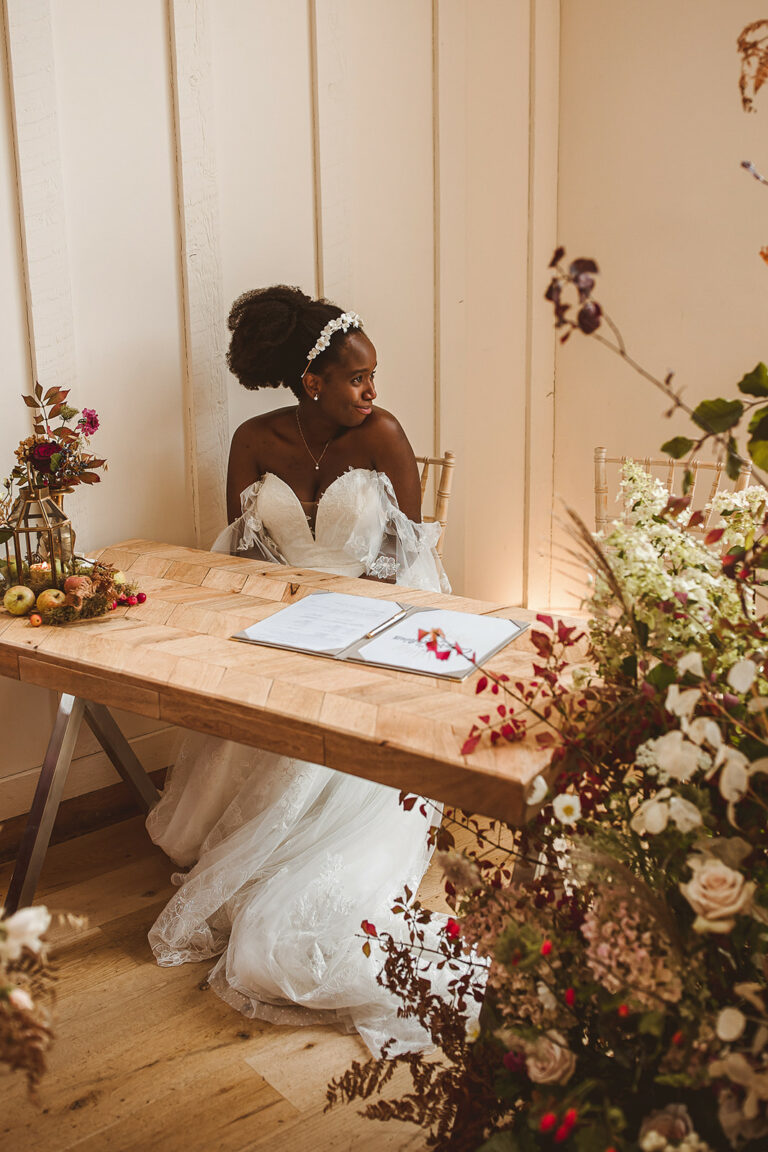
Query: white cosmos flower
{"x": 23, "y": 930}
{"x": 734, "y": 777}
{"x": 681, "y": 701}
{"x": 730, "y": 1024}
{"x": 654, "y": 814}
{"x": 703, "y": 730}
{"x": 684, "y": 814}
{"x": 567, "y": 808}
{"x": 675, "y": 755}
{"x": 20, "y": 998}
{"x": 741, "y": 676}
{"x": 537, "y": 791}
{"x": 473, "y": 1030}
{"x": 691, "y": 662}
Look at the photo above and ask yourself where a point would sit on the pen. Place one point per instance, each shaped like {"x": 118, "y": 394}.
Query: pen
{"x": 392, "y": 620}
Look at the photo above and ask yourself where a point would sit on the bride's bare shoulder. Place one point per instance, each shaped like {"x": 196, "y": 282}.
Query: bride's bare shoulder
{"x": 276, "y": 422}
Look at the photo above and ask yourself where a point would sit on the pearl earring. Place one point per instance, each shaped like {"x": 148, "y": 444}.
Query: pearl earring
{"x": 315, "y": 397}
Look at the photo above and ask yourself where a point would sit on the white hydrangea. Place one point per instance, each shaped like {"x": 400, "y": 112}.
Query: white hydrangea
{"x": 672, "y": 582}
{"x": 741, "y": 515}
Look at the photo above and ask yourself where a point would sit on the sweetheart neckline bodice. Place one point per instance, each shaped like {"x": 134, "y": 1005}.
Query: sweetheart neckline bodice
{"x": 312, "y": 529}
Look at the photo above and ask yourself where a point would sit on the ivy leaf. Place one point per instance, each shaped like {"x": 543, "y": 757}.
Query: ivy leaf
{"x": 733, "y": 461}
{"x": 755, "y": 383}
{"x": 677, "y": 447}
{"x": 758, "y": 450}
{"x": 757, "y": 445}
{"x": 718, "y": 415}
{"x": 661, "y": 676}
{"x": 651, "y": 1023}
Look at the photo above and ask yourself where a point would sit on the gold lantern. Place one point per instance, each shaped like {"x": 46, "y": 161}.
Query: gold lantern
{"x": 38, "y": 540}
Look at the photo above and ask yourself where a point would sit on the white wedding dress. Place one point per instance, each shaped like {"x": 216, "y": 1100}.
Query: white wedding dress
{"x": 289, "y": 857}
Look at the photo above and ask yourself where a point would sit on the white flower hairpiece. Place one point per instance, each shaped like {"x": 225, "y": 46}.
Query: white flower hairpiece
{"x": 344, "y": 322}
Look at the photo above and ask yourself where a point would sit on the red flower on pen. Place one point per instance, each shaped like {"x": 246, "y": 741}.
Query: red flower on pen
{"x": 452, "y": 928}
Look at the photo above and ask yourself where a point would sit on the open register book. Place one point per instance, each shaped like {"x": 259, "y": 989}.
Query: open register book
{"x": 383, "y": 632}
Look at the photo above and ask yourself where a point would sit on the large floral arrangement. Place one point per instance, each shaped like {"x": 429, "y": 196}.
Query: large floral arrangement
{"x": 625, "y": 987}
{"x": 618, "y": 943}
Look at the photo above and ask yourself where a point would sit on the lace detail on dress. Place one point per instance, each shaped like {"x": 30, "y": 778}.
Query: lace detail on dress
{"x": 383, "y": 568}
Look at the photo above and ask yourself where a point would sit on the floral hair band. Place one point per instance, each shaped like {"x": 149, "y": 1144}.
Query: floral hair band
{"x": 344, "y": 322}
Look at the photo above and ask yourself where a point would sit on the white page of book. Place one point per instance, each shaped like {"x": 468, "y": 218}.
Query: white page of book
{"x": 323, "y": 622}
{"x": 400, "y": 644}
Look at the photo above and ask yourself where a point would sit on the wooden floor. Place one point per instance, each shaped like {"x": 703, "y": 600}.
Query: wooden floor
{"x": 148, "y": 1058}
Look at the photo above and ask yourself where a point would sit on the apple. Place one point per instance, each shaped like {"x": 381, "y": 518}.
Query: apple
{"x": 50, "y": 598}
{"x": 18, "y": 600}
{"x": 11, "y": 569}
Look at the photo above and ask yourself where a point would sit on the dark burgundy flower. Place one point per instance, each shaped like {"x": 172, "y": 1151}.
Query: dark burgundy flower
{"x": 41, "y": 455}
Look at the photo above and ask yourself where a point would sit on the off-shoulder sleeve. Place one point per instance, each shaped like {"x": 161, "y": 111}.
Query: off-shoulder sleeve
{"x": 247, "y": 535}
{"x": 400, "y": 548}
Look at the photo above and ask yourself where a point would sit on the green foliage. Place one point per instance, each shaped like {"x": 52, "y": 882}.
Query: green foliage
{"x": 718, "y": 415}
{"x": 677, "y": 447}
{"x": 755, "y": 383}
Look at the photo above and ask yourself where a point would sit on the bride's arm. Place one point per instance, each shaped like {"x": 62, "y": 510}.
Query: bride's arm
{"x": 243, "y": 466}
{"x": 394, "y": 457}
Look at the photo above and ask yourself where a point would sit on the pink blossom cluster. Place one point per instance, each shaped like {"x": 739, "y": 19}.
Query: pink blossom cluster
{"x": 626, "y": 955}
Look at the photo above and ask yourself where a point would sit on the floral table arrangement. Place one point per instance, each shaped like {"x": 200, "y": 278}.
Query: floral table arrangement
{"x": 41, "y": 575}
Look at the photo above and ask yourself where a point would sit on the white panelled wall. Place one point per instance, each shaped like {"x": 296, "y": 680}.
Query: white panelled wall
{"x": 158, "y": 158}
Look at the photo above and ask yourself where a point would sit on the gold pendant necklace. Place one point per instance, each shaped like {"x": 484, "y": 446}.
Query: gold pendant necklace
{"x": 315, "y": 459}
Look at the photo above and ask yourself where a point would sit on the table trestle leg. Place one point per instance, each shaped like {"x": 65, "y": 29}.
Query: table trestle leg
{"x": 105, "y": 729}
{"x": 53, "y": 775}
{"x": 45, "y": 805}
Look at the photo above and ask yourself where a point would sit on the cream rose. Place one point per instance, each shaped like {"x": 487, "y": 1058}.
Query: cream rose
{"x": 550, "y": 1061}
{"x": 717, "y": 894}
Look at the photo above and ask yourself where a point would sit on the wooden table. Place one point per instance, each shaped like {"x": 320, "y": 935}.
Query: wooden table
{"x": 171, "y": 659}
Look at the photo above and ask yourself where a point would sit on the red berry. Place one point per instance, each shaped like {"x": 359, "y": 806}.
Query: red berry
{"x": 678, "y": 1038}
{"x": 562, "y": 1134}
{"x": 111, "y": 607}
{"x": 623, "y": 1011}
{"x": 122, "y": 599}
{"x": 570, "y": 997}
{"x": 546, "y": 948}
{"x": 141, "y": 597}
{"x": 570, "y": 1117}
{"x": 452, "y": 929}
{"x": 133, "y": 600}
{"x": 547, "y": 1122}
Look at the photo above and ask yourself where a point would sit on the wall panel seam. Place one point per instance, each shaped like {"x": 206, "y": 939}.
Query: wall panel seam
{"x": 436, "y": 234}
{"x": 314, "y": 110}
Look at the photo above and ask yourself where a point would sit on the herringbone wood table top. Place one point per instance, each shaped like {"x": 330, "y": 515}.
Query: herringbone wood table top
{"x": 171, "y": 658}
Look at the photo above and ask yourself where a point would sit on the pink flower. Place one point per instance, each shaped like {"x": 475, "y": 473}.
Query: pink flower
{"x": 88, "y": 422}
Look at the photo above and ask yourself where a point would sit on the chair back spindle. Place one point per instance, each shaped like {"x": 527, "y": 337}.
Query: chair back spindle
{"x": 674, "y": 469}
{"x": 439, "y": 515}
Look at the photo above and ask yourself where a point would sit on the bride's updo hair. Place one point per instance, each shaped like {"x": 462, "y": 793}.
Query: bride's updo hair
{"x": 273, "y": 331}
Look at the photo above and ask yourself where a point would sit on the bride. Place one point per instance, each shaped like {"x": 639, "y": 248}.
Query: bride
{"x": 287, "y": 858}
